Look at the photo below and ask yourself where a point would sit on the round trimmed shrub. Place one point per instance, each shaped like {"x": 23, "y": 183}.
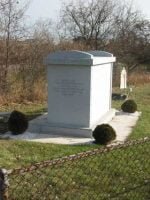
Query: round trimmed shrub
{"x": 104, "y": 134}
{"x": 129, "y": 106}
{"x": 17, "y": 123}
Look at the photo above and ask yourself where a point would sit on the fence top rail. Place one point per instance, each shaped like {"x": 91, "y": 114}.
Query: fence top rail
{"x": 75, "y": 157}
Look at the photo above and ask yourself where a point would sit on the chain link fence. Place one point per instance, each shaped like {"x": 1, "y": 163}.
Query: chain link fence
{"x": 120, "y": 172}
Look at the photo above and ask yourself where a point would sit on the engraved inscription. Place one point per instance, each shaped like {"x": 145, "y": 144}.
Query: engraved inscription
{"x": 68, "y": 87}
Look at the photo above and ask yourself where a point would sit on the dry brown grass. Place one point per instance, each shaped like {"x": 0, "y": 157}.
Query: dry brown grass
{"x": 139, "y": 78}
{"x": 37, "y": 93}
{"x": 28, "y": 84}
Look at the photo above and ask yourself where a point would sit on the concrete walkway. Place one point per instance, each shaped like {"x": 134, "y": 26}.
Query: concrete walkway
{"x": 122, "y": 123}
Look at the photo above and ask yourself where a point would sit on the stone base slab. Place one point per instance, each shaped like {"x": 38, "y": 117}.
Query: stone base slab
{"x": 41, "y": 125}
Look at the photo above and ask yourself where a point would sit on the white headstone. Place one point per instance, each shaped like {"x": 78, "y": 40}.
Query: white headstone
{"x": 123, "y": 79}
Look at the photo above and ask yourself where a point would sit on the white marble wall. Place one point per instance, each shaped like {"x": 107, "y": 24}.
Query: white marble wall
{"x": 79, "y": 88}
{"x": 68, "y": 95}
{"x": 100, "y": 102}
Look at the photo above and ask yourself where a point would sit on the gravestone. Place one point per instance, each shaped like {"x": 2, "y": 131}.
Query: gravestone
{"x": 123, "y": 79}
{"x": 79, "y": 92}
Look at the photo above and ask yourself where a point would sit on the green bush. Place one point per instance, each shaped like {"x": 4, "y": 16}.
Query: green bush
{"x": 17, "y": 123}
{"x": 104, "y": 134}
{"x": 129, "y": 106}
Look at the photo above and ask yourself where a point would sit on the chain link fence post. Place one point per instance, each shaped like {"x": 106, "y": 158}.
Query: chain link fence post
{"x": 3, "y": 184}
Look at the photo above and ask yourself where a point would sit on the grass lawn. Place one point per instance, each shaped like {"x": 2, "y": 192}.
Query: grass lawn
{"x": 31, "y": 109}
{"x": 17, "y": 153}
{"x": 141, "y": 95}
{"x": 120, "y": 174}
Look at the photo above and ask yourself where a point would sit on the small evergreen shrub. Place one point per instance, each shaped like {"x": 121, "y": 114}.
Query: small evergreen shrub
{"x": 17, "y": 123}
{"x": 103, "y": 134}
{"x": 129, "y": 106}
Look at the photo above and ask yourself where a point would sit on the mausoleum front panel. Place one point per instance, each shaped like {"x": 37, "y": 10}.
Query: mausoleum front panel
{"x": 69, "y": 95}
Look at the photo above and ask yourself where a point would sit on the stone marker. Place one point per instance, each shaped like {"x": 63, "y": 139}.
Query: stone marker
{"x": 79, "y": 93}
{"x": 123, "y": 79}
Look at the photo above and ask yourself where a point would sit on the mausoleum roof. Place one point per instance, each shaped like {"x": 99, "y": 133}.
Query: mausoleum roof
{"x": 89, "y": 58}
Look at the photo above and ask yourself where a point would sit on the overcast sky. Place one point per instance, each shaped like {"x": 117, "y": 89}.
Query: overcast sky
{"x": 50, "y": 8}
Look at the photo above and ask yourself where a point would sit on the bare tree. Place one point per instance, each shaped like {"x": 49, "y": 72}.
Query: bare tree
{"x": 108, "y": 25}
{"x": 88, "y": 21}
{"x": 34, "y": 49}
{"x": 11, "y": 21}
{"x": 131, "y": 38}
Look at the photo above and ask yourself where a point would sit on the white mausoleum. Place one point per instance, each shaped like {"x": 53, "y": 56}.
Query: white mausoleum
{"x": 79, "y": 91}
